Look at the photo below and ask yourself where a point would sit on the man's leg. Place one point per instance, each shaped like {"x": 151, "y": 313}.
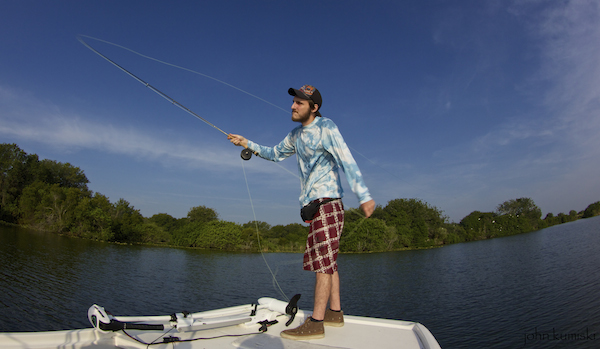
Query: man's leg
{"x": 311, "y": 329}
{"x": 334, "y": 297}
{"x": 323, "y": 289}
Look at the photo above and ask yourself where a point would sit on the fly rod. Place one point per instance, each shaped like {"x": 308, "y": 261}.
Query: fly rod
{"x": 246, "y": 153}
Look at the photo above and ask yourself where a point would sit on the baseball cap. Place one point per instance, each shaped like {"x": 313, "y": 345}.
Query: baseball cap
{"x": 308, "y": 92}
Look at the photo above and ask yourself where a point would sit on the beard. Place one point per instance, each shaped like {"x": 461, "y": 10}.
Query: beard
{"x": 300, "y": 117}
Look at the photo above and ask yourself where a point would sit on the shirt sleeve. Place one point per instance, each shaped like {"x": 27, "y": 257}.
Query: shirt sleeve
{"x": 281, "y": 151}
{"x": 334, "y": 143}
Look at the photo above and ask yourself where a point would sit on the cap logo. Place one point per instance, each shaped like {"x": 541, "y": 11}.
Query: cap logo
{"x": 308, "y": 90}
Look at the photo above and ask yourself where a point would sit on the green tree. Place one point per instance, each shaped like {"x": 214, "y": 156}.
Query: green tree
{"x": 151, "y": 233}
{"x": 263, "y": 227}
{"x": 517, "y": 206}
{"x": 425, "y": 224}
{"x": 61, "y": 206}
{"x": 509, "y": 224}
{"x": 125, "y": 220}
{"x": 165, "y": 221}
{"x": 63, "y": 174}
{"x": 368, "y": 235}
{"x": 479, "y": 225}
{"x": 185, "y": 234}
{"x": 32, "y": 213}
{"x": 215, "y": 235}
{"x": 550, "y": 219}
{"x": 291, "y": 237}
{"x": 522, "y": 207}
{"x": 50, "y": 207}
{"x": 255, "y": 230}
{"x": 592, "y": 210}
{"x": 95, "y": 218}
{"x": 202, "y": 214}
{"x": 15, "y": 174}
{"x": 456, "y": 234}
{"x": 249, "y": 239}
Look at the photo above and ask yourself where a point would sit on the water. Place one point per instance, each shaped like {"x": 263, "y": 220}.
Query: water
{"x": 536, "y": 290}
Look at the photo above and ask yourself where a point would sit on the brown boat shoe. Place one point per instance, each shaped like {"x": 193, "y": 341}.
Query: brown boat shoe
{"x": 308, "y": 330}
{"x": 334, "y": 318}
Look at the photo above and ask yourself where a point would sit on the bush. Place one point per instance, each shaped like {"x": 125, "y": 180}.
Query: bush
{"x": 367, "y": 235}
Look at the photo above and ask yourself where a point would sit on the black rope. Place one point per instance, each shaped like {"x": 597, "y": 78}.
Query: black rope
{"x": 178, "y": 340}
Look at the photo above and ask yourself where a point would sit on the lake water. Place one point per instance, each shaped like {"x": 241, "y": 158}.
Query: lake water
{"x": 535, "y": 290}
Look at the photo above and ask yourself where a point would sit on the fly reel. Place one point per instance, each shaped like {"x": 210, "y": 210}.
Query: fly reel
{"x": 246, "y": 154}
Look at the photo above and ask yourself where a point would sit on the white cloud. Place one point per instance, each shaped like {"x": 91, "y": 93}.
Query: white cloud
{"x": 566, "y": 83}
{"x": 548, "y": 151}
{"x": 570, "y": 61}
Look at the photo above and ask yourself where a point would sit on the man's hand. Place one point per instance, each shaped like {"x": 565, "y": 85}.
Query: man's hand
{"x": 238, "y": 140}
{"x": 368, "y": 208}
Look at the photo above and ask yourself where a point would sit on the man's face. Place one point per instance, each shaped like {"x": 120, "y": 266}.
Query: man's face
{"x": 301, "y": 111}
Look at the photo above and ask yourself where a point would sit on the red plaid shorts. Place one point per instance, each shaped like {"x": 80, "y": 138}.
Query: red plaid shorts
{"x": 323, "y": 242}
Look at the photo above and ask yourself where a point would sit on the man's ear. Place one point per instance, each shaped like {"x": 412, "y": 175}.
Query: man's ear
{"x": 315, "y": 108}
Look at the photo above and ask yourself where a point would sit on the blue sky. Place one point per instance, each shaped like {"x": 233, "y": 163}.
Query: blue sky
{"x": 462, "y": 104}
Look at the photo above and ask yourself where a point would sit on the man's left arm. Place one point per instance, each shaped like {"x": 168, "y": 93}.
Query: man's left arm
{"x": 336, "y": 146}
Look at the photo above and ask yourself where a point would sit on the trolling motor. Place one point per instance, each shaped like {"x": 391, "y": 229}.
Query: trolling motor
{"x": 291, "y": 309}
{"x": 102, "y": 321}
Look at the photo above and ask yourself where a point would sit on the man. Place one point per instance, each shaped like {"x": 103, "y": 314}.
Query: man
{"x": 320, "y": 150}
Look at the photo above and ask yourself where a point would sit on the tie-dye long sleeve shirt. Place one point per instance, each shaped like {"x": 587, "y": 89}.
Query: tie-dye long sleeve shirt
{"x": 320, "y": 150}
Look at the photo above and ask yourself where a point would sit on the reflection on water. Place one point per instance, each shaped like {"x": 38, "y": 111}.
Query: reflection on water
{"x": 494, "y": 293}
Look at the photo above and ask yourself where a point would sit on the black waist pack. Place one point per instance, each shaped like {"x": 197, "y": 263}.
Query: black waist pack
{"x": 309, "y": 211}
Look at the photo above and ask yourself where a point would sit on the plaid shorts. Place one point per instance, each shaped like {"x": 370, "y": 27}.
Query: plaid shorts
{"x": 323, "y": 242}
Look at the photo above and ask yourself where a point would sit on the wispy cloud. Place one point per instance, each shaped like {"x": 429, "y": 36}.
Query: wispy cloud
{"x": 571, "y": 62}
{"x": 565, "y": 84}
{"x": 27, "y": 119}
{"x": 551, "y": 146}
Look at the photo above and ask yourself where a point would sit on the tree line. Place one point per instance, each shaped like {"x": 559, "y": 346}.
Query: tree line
{"x": 52, "y": 196}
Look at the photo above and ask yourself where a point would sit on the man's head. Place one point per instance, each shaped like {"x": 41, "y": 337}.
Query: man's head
{"x": 311, "y": 94}
{"x": 303, "y": 111}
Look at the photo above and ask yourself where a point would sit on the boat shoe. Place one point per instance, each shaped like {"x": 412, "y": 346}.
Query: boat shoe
{"x": 334, "y": 318}
{"x": 308, "y": 330}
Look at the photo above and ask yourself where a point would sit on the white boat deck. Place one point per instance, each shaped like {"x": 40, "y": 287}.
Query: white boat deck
{"x": 358, "y": 332}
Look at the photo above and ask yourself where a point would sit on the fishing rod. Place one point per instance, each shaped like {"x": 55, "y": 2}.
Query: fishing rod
{"x": 246, "y": 153}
